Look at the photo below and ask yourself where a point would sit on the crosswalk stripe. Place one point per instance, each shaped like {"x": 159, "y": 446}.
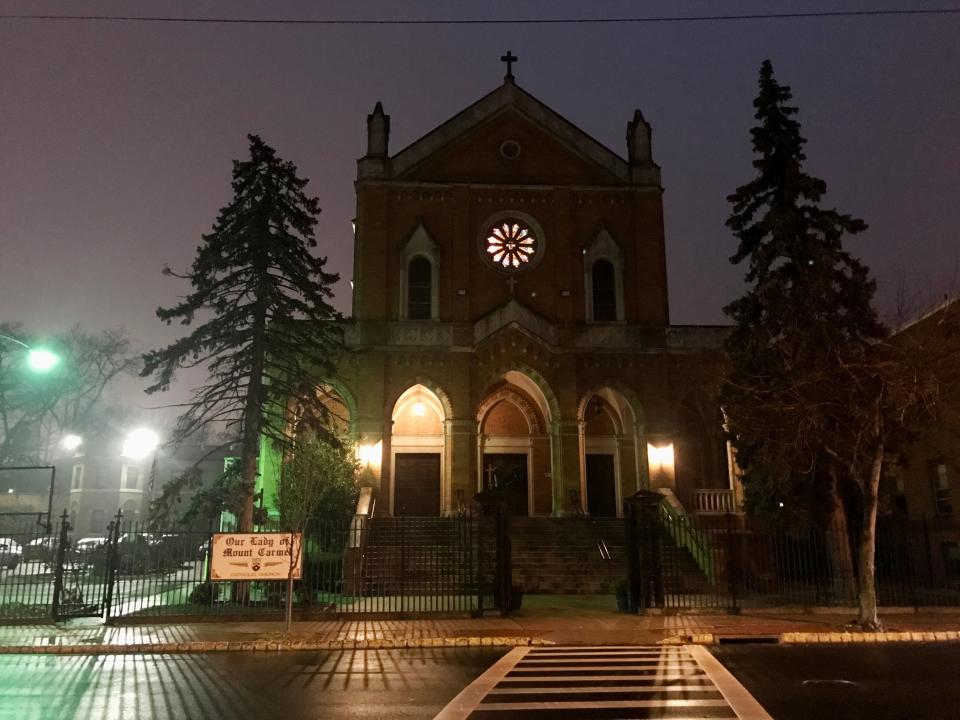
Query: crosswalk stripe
{"x": 648, "y": 668}
{"x": 570, "y": 689}
{"x": 574, "y": 704}
{"x": 571, "y": 682}
{"x": 700, "y": 677}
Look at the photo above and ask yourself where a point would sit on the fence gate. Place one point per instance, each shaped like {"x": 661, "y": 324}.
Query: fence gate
{"x": 84, "y": 572}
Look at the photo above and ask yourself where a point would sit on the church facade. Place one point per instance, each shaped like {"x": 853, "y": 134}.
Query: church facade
{"x": 511, "y": 321}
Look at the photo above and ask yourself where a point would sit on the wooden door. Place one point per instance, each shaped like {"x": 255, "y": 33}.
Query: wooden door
{"x": 509, "y": 473}
{"x": 416, "y": 484}
{"x": 601, "y": 486}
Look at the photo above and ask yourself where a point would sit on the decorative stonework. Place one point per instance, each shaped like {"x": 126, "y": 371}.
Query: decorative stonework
{"x": 420, "y": 334}
{"x": 523, "y": 405}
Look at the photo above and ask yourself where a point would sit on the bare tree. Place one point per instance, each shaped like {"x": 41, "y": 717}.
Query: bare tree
{"x": 317, "y": 484}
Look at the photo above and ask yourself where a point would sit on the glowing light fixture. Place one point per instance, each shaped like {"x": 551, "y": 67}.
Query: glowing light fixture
{"x": 71, "y": 442}
{"x": 660, "y": 459}
{"x": 41, "y": 359}
{"x": 370, "y": 454}
{"x": 419, "y": 409}
{"x": 140, "y": 443}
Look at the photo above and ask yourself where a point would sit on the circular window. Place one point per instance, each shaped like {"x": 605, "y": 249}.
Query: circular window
{"x": 511, "y": 244}
{"x": 510, "y": 149}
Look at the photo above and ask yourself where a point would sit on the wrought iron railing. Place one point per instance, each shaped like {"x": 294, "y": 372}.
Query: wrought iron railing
{"x": 685, "y": 533}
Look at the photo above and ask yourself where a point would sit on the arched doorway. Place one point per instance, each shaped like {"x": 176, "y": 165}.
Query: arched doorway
{"x": 609, "y": 437}
{"x": 514, "y": 447}
{"x": 417, "y": 454}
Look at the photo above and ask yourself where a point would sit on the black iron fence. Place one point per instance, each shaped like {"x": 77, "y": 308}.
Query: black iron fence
{"x": 367, "y": 565}
{"x": 731, "y": 562}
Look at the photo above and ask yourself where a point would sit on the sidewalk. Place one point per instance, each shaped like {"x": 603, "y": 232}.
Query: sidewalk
{"x": 560, "y": 620}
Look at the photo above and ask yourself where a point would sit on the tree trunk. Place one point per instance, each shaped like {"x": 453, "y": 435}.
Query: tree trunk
{"x": 252, "y": 416}
{"x": 868, "y": 618}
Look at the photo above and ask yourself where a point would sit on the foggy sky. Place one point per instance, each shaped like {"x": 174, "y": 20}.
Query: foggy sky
{"x": 116, "y": 140}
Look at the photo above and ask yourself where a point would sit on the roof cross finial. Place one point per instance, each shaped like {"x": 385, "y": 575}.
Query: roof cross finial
{"x": 509, "y": 59}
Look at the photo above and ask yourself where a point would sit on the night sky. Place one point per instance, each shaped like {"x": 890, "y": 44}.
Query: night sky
{"x": 116, "y": 140}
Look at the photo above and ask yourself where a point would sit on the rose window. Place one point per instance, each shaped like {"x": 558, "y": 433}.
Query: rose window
{"x": 511, "y": 245}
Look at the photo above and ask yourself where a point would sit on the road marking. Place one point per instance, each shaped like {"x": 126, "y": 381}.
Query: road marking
{"x": 471, "y": 696}
{"x": 743, "y": 703}
{"x": 625, "y": 682}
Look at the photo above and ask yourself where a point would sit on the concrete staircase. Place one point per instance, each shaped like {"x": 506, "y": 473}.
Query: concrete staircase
{"x": 416, "y": 556}
{"x": 559, "y": 556}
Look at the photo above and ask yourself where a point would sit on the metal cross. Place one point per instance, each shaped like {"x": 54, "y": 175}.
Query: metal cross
{"x": 512, "y": 282}
{"x": 509, "y": 59}
{"x": 490, "y": 472}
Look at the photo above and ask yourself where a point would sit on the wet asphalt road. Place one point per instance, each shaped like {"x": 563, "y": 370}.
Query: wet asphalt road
{"x": 889, "y": 682}
{"x": 286, "y": 686}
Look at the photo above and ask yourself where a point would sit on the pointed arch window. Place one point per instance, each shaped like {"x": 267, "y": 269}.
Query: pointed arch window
{"x": 603, "y": 279}
{"x": 604, "y": 291}
{"x": 418, "y": 276}
{"x": 420, "y": 289}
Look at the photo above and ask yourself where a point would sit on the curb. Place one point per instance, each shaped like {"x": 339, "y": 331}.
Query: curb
{"x": 270, "y": 646}
{"x": 866, "y": 637}
{"x": 805, "y": 638}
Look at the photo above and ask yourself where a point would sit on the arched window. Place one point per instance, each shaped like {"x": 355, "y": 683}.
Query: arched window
{"x": 604, "y": 291}
{"x": 419, "y": 289}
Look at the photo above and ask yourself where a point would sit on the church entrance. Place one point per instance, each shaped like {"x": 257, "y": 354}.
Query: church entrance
{"x": 508, "y": 472}
{"x": 601, "y": 486}
{"x": 417, "y": 478}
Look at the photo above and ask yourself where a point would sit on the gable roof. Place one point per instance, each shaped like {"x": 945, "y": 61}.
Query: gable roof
{"x": 510, "y": 96}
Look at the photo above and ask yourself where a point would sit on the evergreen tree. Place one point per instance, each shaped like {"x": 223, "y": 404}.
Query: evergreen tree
{"x": 268, "y": 333}
{"x": 810, "y": 380}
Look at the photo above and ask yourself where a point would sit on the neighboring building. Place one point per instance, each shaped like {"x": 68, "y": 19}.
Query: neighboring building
{"x": 511, "y": 321}
{"x": 929, "y": 486}
{"x": 100, "y": 481}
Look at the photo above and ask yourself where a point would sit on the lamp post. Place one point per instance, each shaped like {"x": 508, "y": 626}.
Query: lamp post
{"x": 138, "y": 445}
{"x": 40, "y": 360}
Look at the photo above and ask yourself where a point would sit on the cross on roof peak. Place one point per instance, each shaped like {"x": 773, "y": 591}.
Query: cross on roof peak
{"x": 509, "y": 59}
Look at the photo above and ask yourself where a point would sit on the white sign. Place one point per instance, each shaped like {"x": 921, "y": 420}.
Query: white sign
{"x": 255, "y": 556}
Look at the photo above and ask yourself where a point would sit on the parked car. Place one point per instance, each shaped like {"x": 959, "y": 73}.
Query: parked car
{"x": 42, "y": 549}
{"x": 84, "y": 548}
{"x": 10, "y": 553}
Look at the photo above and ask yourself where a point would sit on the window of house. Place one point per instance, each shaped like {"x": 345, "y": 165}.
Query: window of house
{"x": 940, "y": 479}
{"x": 77, "y": 478}
{"x": 130, "y": 477}
{"x": 419, "y": 289}
{"x": 604, "y": 291}
{"x": 950, "y": 552}
{"x": 98, "y": 520}
{"x": 899, "y": 496}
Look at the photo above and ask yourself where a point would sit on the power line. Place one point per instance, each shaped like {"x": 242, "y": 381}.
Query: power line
{"x": 493, "y": 21}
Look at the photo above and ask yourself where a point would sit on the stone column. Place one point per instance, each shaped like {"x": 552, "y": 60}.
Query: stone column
{"x": 640, "y": 456}
{"x": 565, "y": 465}
{"x": 458, "y": 448}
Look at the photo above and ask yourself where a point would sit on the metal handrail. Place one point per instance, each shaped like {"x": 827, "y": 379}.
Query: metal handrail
{"x": 684, "y": 533}
{"x": 597, "y": 535}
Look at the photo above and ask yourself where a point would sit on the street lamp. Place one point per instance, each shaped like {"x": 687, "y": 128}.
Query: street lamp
{"x": 71, "y": 442}
{"x": 140, "y": 443}
{"x": 39, "y": 359}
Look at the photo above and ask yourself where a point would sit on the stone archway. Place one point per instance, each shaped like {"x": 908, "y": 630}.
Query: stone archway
{"x": 612, "y": 448}
{"x": 419, "y": 483}
{"x": 514, "y": 442}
